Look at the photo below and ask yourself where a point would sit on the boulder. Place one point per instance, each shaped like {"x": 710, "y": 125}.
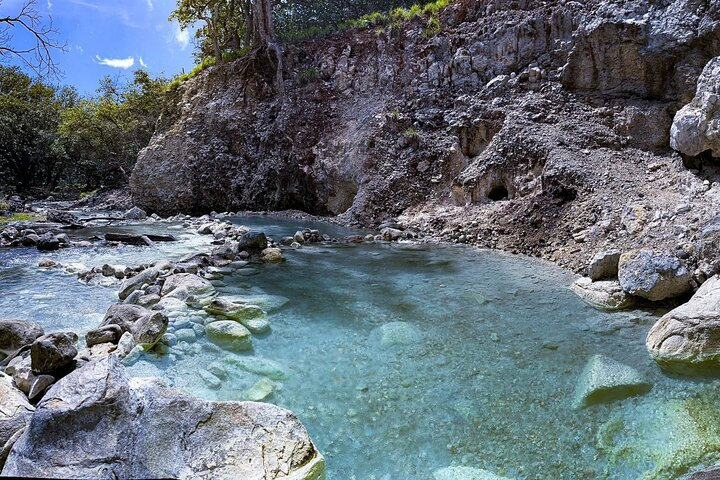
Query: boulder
{"x": 271, "y": 255}
{"x": 260, "y": 391}
{"x": 129, "y": 285}
{"x": 53, "y": 352}
{"x": 15, "y": 334}
{"x": 146, "y": 326}
{"x": 603, "y": 294}
{"x": 696, "y": 126}
{"x": 188, "y": 282}
{"x": 252, "y": 317}
{"x": 63, "y": 217}
{"x": 606, "y": 380}
{"x": 129, "y": 238}
{"x": 15, "y": 414}
{"x": 687, "y": 339}
{"x": 47, "y": 242}
{"x": 604, "y": 265}
{"x": 98, "y": 423}
{"x": 135, "y": 213}
{"x": 652, "y": 275}
{"x": 464, "y": 473}
{"x": 257, "y": 365}
{"x": 252, "y": 242}
{"x": 229, "y": 335}
{"x": 105, "y": 334}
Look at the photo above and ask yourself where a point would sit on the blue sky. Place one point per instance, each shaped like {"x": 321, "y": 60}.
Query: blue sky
{"x": 113, "y": 37}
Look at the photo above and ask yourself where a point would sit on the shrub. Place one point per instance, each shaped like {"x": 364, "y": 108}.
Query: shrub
{"x": 308, "y": 75}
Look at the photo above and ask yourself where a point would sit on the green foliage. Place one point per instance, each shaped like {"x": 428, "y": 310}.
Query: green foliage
{"x": 84, "y": 195}
{"x": 308, "y": 75}
{"x": 411, "y": 134}
{"x": 400, "y": 15}
{"x": 206, "y": 63}
{"x": 20, "y": 217}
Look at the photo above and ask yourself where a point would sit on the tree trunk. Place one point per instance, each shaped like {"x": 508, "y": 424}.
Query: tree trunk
{"x": 215, "y": 32}
{"x": 264, "y": 39}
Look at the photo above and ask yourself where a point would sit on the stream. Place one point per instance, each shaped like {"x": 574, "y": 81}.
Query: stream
{"x": 402, "y": 358}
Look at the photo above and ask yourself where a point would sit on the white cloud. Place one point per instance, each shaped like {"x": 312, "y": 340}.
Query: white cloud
{"x": 49, "y": 5}
{"x": 79, "y": 48}
{"x": 142, "y": 63}
{"x": 182, "y": 37}
{"x": 123, "y": 63}
{"x": 150, "y": 4}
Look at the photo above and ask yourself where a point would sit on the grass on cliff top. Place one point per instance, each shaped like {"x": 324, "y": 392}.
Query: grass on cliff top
{"x": 205, "y": 64}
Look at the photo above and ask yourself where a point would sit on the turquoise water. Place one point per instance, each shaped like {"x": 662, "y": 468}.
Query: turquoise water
{"x": 481, "y": 373}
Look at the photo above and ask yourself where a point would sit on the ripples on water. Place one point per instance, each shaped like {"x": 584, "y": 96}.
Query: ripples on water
{"x": 488, "y": 382}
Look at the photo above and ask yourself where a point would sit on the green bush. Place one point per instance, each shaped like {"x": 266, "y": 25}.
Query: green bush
{"x": 411, "y": 134}
{"x": 308, "y": 75}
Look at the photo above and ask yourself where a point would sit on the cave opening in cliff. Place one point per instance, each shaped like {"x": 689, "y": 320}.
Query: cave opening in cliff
{"x": 498, "y": 192}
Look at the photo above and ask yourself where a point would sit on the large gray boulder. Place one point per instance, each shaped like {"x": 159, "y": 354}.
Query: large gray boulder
{"x": 653, "y": 275}
{"x": 97, "y": 423}
{"x": 146, "y": 326}
{"x": 135, "y": 213}
{"x": 696, "y": 127}
{"x": 604, "y": 265}
{"x": 189, "y": 283}
{"x": 15, "y": 334}
{"x": 687, "y": 339}
{"x": 15, "y": 414}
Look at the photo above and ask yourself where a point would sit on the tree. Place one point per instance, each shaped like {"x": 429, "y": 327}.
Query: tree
{"x": 37, "y": 53}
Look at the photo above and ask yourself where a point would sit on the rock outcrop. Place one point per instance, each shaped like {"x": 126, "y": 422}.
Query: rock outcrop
{"x": 98, "y": 423}
{"x": 687, "y": 339}
{"x": 652, "y": 275}
{"x": 15, "y": 414}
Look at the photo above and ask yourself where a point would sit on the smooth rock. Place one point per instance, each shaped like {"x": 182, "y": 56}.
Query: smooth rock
{"x": 98, "y": 423}
{"x": 105, "y": 334}
{"x": 604, "y": 380}
{"x": 251, "y": 316}
{"x": 652, "y": 275}
{"x": 687, "y": 339}
{"x": 397, "y": 333}
{"x": 229, "y": 335}
{"x": 260, "y": 391}
{"x": 15, "y": 414}
{"x": 191, "y": 284}
{"x": 129, "y": 285}
{"x": 464, "y": 473}
{"x": 271, "y": 255}
{"x": 603, "y": 294}
{"x": 146, "y": 326}
{"x": 259, "y": 366}
{"x": 48, "y": 242}
{"x": 252, "y": 242}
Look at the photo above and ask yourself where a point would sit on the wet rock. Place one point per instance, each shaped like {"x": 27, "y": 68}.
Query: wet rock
{"x": 61, "y": 216}
{"x": 48, "y": 242}
{"x": 260, "y": 391}
{"x": 652, "y": 275}
{"x": 135, "y": 213}
{"x": 252, "y": 242}
{"x": 129, "y": 238}
{"x": 397, "y": 333}
{"x": 146, "y": 326}
{"x": 53, "y": 352}
{"x": 98, "y": 420}
{"x": 464, "y": 473}
{"x": 696, "y": 126}
{"x": 604, "y": 265}
{"x": 605, "y": 380}
{"x": 251, "y": 316}
{"x": 105, "y": 334}
{"x": 687, "y": 339}
{"x": 272, "y": 255}
{"x": 189, "y": 283}
{"x": 15, "y": 334}
{"x": 210, "y": 380}
{"x": 15, "y": 414}
{"x": 186, "y": 335}
{"x": 259, "y": 366}
{"x": 268, "y": 303}
{"x": 129, "y": 285}
{"x": 391, "y": 234}
{"x": 603, "y": 294}
{"x": 229, "y": 335}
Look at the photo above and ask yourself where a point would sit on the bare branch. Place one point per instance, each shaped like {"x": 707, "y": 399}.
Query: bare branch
{"x": 38, "y": 55}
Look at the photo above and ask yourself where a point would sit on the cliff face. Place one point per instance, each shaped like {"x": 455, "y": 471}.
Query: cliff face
{"x": 525, "y": 125}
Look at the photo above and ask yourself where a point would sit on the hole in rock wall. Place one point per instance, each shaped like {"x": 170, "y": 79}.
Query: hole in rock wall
{"x": 498, "y": 192}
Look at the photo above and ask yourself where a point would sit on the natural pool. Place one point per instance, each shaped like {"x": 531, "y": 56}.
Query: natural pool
{"x": 482, "y": 376}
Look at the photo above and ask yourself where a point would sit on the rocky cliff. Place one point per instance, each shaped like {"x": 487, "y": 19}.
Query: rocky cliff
{"x": 534, "y": 126}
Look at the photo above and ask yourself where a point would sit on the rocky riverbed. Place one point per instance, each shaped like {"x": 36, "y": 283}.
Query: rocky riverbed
{"x": 350, "y": 331}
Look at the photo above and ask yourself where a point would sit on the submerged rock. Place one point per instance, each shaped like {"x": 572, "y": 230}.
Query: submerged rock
{"x": 652, "y": 275}
{"x": 604, "y": 380}
{"x": 98, "y": 423}
{"x": 260, "y": 391}
{"x": 272, "y": 255}
{"x": 687, "y": 339}
{"x": 251, "y": 316}
{"x": 260, "y": 366}
{"x": 15, "y": 334}
{"x": 397, "y": 333}
{"x": 464, "y": 473}
{"x": 603, "y": 294}
{"x": 229, "y": 335}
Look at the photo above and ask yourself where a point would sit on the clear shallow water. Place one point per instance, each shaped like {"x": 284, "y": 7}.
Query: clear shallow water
{"x": 498, "y": 345}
